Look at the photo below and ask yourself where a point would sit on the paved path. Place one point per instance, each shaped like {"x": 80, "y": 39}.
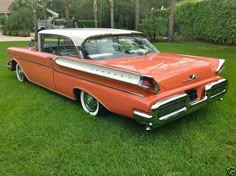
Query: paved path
{"x": 13, "y": 38}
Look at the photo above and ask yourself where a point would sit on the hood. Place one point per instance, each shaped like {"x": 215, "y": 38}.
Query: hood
{"x": 169, "y": 70}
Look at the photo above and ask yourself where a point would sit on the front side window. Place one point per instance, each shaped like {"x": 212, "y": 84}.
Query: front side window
{"x": 58, "y": 45}
{"x": 110, "y": 47}
{"x": 49, "y": 43}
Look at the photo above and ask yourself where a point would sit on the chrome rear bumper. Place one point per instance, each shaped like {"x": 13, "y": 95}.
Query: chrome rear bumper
{"x": 176, "y": 106}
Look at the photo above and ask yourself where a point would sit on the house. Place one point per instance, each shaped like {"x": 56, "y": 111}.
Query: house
{"x": 4, "y": 6}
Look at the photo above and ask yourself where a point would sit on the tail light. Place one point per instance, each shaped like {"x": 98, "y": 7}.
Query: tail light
{"x": 149, "y": 83}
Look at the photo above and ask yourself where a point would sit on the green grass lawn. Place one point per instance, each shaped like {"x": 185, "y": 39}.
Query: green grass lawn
{"x": 42, "y": 133}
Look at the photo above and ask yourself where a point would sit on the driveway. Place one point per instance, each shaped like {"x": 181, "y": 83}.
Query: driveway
{"x": 14, "y": 38}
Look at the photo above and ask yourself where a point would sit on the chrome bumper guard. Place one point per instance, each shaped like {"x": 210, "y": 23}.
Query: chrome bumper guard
{"x": 176, "y": 106}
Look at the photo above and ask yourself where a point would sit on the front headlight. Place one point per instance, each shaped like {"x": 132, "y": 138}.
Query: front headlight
{"x": 221, "y": 66}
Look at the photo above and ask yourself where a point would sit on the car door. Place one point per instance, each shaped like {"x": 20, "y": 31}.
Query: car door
{"x": 41, "y": 71}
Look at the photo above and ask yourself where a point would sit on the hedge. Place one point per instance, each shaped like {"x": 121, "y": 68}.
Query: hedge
{"x": 210, "y": 20}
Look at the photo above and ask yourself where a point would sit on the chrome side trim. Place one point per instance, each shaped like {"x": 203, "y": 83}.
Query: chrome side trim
{"x": 95, "y": 82}
{"x": 29, "y": 60}
{"x": 111, "y": 73}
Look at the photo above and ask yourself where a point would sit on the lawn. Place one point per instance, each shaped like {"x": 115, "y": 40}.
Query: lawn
{"x": 43, "y": 133}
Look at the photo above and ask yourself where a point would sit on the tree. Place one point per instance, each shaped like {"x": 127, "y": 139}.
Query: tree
{"x": 171, "y": 20}
{"x": 44, "y": 3}
{"x": 66, "y": 3}
{"x": 137, "y": 14}
{"x": 34, "y": 8}
{"x": 112, "y": 13}
{"x": 95, "y": 11}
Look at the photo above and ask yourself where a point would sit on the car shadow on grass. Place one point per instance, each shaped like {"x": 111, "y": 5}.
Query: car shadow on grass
{"x": 111, "y": 120}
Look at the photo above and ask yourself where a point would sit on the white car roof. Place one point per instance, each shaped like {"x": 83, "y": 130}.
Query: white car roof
{"x": 79, "y": 35}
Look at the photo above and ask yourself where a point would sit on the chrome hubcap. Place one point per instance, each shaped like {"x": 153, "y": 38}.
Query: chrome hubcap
{"x": 20, "y": 73}
{"x": 90, "y": 102}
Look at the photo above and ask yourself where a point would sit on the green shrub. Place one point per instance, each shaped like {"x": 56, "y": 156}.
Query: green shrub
{"x": 19, "y": 20}
{"x": 211, "y": 20}
{"x": 156, "y": 24}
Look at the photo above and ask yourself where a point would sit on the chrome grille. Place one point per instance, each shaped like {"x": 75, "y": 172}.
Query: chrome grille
{"x": 217, "y": 89}
{"x": 171, "y": 107}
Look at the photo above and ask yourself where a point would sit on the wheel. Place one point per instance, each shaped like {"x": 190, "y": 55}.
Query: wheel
{"x": 90, "y": 104}
{"x": 20, "y": 74}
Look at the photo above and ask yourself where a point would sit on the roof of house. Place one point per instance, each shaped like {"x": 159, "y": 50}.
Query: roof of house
{"x": 4, "y": 6}
{"x": 79, "y": 35}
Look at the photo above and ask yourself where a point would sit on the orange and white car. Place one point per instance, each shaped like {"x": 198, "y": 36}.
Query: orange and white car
{"x": 121, "y": 71}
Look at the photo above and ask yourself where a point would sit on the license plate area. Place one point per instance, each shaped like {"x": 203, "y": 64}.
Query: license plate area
{"x": 192, "y": 94}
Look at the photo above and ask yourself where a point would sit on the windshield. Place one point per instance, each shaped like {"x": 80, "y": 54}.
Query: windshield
{"x": 110, "y": 47}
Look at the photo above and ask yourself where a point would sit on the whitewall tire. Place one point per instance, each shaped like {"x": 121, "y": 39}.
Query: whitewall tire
{"x": 90, "y": 104}
{"x": 20, "y": 74}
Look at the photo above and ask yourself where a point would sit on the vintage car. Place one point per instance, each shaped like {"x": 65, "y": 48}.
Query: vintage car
{"x": 120, "y": 71}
